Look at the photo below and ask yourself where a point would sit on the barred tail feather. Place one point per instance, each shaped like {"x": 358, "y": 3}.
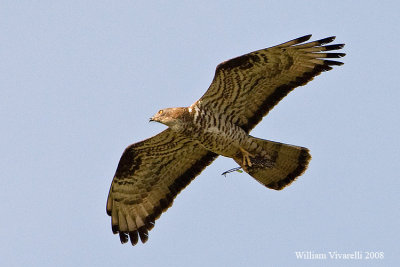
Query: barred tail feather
{"x": 276, "y": 165}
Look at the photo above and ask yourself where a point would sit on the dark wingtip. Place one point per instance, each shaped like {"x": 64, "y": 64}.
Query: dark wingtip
{"x": 133, "y": 236}
{"x": 150, "y": 222}
{"x": 333, "y": 63}
{"x": 333, "y": 47}
{"x": 335, "y": 55}
{"x": 303, "y": 38}
{"x": 326, "y": 40}
{"x": 115, "y": 229}
{"x": 123, "y": 237}
{"x": 143, "y": 234}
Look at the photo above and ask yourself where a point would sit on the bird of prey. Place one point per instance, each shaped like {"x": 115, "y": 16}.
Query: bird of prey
{"x": 152, "y": 172}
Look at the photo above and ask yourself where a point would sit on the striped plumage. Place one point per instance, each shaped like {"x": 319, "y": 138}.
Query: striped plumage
{"x": 152, "y": 172}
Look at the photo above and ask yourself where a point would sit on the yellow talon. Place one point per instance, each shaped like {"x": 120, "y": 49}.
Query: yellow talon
{"x": 246, "y": 158}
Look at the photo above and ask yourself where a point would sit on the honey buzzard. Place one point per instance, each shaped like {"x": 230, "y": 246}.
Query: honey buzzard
{"x": 152, "y": 172}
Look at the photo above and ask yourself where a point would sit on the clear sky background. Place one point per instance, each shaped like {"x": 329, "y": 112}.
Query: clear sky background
{"x": 80, "y": 79}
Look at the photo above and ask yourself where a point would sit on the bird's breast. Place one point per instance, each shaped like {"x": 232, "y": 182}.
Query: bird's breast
{"x": 219, "y": 136}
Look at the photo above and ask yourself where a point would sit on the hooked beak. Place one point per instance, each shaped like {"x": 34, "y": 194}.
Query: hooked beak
{"x": 153, "y": 118}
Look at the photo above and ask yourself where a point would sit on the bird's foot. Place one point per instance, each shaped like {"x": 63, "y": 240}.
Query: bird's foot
{"x": 246, "y": 158}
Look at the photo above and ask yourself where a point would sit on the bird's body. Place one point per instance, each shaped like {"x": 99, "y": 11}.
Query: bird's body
{"x": 152, "y": 172}
{"x": 215, "y": 133}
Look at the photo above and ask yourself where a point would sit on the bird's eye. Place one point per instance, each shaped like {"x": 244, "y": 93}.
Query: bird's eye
{"x": 160, "y": 112}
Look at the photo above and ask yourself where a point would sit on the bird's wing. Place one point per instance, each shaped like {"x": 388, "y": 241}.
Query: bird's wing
{"x": 149, "y": 176}
{"x": 246, "y": 88}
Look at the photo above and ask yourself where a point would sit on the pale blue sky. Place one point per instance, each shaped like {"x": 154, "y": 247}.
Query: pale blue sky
{"x": 79, "y": 80}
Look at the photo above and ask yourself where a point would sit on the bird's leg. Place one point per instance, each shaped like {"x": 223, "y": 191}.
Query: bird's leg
{"x": 246, "y": 158}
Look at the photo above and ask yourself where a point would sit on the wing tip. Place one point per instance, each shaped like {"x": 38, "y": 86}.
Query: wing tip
{"x": 332, "y": 63}
{"x": 333, "y": 47}
{"x": 133, "y": 236}
{"x": 295, "y": 41}
{"x": 123, "y": 237}
{"x": 326, "y": 40}
{"x": 303, "y": 38}
{"x": 143, "y": 234}
{"x": 335, "y": 55}
{"x": 115, "y": 229}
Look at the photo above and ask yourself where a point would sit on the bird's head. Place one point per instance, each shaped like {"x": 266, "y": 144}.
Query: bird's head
{"x": 171, "y": 117}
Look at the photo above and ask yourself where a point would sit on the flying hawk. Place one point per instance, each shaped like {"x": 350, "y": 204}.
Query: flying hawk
{"x": 152, "y": 172}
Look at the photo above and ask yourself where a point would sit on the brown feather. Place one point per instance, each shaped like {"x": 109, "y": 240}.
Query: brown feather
{"x": 156, "y": 168}
{"x": 151, "y": 173}
{"x": 252, "y": 84}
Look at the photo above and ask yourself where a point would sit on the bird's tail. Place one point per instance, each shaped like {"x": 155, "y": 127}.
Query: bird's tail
{"x": 274, "y": 164}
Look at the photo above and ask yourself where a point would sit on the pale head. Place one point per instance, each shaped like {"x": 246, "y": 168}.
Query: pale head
{"x": 170, "y": 116}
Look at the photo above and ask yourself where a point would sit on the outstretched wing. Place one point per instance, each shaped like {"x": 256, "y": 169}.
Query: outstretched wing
{"x": 246, "y": 88}
{"x": 149, "y": 176}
